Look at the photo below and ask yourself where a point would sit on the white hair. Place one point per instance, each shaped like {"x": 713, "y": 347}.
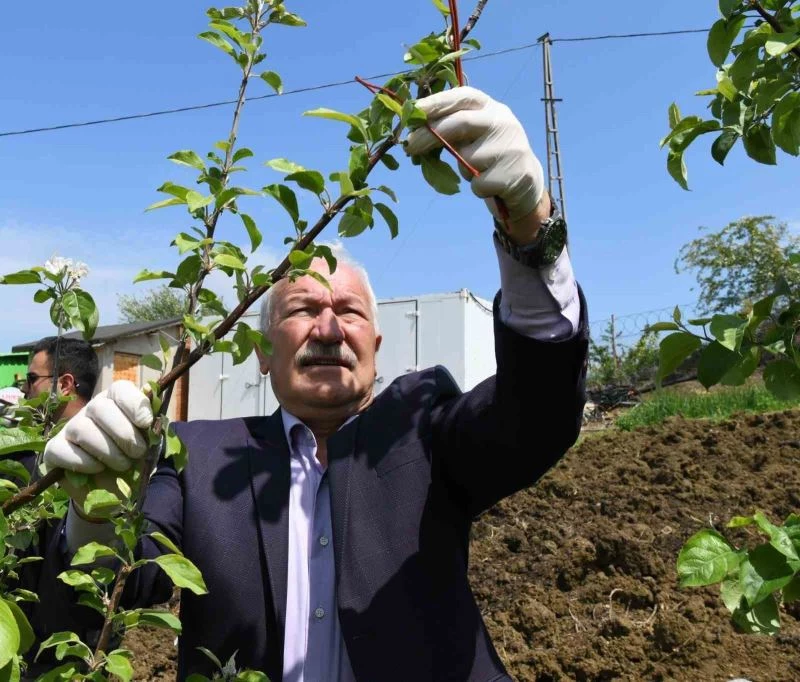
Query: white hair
{"x": 342, "y": 258}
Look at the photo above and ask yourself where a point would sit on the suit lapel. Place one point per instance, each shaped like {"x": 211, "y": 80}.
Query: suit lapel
{"x": 341, "y": 456}
{"x": 270, "y": 477}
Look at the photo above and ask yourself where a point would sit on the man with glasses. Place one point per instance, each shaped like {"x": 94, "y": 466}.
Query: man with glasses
{"x": 77, "y": 369}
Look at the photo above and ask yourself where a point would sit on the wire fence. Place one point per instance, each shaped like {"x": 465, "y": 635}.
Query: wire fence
{"x": 630, "y": 327}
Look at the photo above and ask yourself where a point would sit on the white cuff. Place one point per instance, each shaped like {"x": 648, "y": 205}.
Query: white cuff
{"x": 540, "y": 303}
{"x": 79, "y": 531}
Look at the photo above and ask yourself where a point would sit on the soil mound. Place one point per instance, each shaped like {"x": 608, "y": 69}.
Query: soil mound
{"x": 576, "y": 577}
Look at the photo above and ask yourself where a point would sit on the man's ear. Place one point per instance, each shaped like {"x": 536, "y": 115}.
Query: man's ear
{"x": 378, "y": 341}
{"x": 263, "y": 360}
{"x": 67, "y": 384}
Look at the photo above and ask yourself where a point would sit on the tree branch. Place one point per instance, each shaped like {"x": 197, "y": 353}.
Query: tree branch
{"x": 772, "y": 21}
{"x": 473, "y": 19}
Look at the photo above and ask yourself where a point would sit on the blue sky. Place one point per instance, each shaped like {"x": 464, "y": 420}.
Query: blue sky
{"x": 81, "y": 192}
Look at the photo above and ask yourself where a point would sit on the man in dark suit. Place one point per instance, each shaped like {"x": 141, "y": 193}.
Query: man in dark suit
{"x": 333, "y": 535}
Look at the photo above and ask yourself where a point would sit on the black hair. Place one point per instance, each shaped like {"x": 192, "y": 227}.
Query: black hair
{"x": 75, "y": 357}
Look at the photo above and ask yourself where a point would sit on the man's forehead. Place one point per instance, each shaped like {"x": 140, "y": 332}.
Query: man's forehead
{"x": 39, "y": 360}
{"x": 345, "y": 283}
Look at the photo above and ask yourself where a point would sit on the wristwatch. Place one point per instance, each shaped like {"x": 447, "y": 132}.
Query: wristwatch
{"x": 545, "y": 249}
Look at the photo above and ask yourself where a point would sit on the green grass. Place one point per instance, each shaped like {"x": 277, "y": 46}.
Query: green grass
{"x": 716, "y": 405}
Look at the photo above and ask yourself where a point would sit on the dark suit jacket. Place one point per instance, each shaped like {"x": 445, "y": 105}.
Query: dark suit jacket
{"x": 407, "y": 478}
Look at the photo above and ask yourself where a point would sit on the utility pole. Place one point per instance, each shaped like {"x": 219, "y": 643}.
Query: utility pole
{"x": 555, "y": 174}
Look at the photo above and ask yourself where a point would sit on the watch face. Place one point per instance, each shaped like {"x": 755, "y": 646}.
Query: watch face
{"x": 555, "y": 238}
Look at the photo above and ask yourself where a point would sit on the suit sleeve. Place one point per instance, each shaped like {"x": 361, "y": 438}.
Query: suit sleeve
{"x": 505, "y": 433}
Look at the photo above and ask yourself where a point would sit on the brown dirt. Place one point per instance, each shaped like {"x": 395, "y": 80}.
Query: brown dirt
{"x": 576, "y": 577}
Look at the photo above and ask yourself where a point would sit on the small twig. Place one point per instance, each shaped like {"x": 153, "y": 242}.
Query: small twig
{"x": 377, "y": 88}
{"x": 473, "y": 19}
{"x": 108, "y": 624}
{"x": 455, "y": 32}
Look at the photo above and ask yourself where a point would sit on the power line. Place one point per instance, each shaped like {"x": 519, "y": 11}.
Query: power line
{"x": 336, "y": 84}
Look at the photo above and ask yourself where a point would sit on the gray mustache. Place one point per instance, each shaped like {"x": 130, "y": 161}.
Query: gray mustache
{"x": 316, "y": 353}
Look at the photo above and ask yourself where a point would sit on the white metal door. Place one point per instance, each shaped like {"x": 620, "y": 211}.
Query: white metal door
{"x": 205, "y": 388}
{"x": 399, "y": 325}
{"x": 240, "y": 387}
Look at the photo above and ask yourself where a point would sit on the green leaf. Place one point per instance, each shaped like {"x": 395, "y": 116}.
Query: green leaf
{"x": 189, "y": 158}
{"x": 241, "y": 153}
{"x": 762, "y": 619}
{"x": 175, "y": 449}
{"x": 286, "y": 198}
{"x": 26, "y": 635}
{"x": 781, "y": 43}
{"x": 77, "y": 579}
{"x": 146, "y": 275}
{"x": 252, "y": 231}
{"x": 440, "y": 175}
{"x": 10, "y": 636}
{"x": 310, "y": 180}
{"x": 444, "y": 9}
{"x": 763, "y": 571}
{"x": 90, "y": 552}
{"x": 99, "y": 502}
{"x": 723, "y": 145}
{"x": 782, "y": 379}
{"x": 705, "y": 559}
{"x": 390, "y": 162}
{"x": 786, "y": 123}
{"x": 663, "y": 327}
{"x": 391, "y": 104}
{"x": 164, "y": 540}
{"x": 13, "y": 469}
{"x": 196, "y": 201}
{"x": 728, "y": 330}
{"x": 164, "y": 203}
{"x": 217, "y": 41}
{"x": 742, "y": 69}
{"x": 11, "y": 671}
{"x": 715, "y": 362}
{"x": 759, "y": 145}
{"x": 251, "y": 676}
{"x": 388, "y": 191}
{"x": 677, "y": 168}
{"x": 160, "y": 619}
{"x": 791, "y": 592}
{"x": 673, "y": 350}
{"x": 273, "y": 80}
{"x": 182, "y": 572}
{"x": 21, "y": 277}
{"x": 674, "y": 115}
{"x": 81, "y": 311}
{"x": 721, "y": 37}
{"x": 743, "y": 369}
{"x": 345, "y": 183}
{"x": 284, "y": 165}
{"x": 20, "y": 439}
{"x": 300, "y": 259}
{"x": 151, "y": 361}
{"x": 388, "y": 215}
{"x": 120, "y": 666}
{"x": 727, "y": 7}
{"x": 354, "y": 121}
{"x": 779, "y": 538}
{"x": 226, "y": 260}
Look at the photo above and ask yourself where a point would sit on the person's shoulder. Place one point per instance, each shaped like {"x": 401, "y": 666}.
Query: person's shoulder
{"x": 434, "y": 382}
{"x": 210, "y": 430}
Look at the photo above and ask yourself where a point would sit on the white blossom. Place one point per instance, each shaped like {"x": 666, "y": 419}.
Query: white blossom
{"x": 56, "y": 265}
{"x": 78, "y": 271}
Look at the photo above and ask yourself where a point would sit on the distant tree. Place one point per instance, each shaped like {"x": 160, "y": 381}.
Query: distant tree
{"x": 160, "y": 303}
{"x": 612, "y": 363}
{"x": 741, "y": 263}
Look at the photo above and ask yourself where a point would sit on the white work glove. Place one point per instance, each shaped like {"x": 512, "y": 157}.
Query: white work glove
{"x": 491, "y": 139}
{"x": 104, "y": 439}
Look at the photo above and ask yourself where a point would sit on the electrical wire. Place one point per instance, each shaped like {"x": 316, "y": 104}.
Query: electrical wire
{"x": 335, "y": 84}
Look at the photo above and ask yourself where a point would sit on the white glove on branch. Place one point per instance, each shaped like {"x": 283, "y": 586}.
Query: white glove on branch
{"x": 104, "y": 438}
{"x": 491, "y": 139}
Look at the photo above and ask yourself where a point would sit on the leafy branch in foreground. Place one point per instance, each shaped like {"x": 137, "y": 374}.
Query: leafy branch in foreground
{"x": 753, "y": 582}
{"x": 346, "y": 195}
{"x": 757, "y": 96}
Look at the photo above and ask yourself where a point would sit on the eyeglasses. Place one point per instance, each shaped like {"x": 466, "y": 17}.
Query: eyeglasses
{"x": 31, "y": 377}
